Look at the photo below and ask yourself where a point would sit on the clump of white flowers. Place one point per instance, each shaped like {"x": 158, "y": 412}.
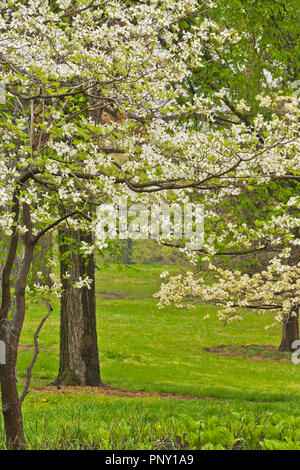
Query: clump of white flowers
{"x": 276, "y": 288}
{"x": 83, "y": 282}
{"x": 86, "y": 248}
{"x": 46, "y": 291}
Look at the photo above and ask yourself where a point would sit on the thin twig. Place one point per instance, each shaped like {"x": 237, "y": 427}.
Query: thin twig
{"x": 35, "y": 355}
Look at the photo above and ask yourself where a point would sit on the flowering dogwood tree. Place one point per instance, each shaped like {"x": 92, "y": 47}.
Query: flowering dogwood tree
{"x": 273, "y": 230}
{"x": 63, "y": 63}
{"x": 257, "y": 215}
{"x": 252, "y": 79}
{"x": 275, "y": 289}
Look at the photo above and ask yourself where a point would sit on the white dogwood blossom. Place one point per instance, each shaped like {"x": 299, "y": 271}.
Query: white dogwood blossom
{"x": 273, "y": 289}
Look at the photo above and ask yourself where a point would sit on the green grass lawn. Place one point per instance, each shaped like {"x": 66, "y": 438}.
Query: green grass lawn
{"x": 144, "y": 348}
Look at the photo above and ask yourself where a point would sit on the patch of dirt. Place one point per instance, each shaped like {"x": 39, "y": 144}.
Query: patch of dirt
{"x": 28, "y": 347}
{"x": 106, "y": 390}
{"x": 114, "y": 295}
{"x": 256, "y": 352}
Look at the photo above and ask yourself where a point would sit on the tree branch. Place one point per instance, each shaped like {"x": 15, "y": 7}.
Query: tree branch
{"x": 57, "y": 222}
{"x": 35, "y": 355}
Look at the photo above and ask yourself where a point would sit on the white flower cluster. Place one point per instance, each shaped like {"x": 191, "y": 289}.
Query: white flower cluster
{"x": 277, "y": 287}
{"x": 83, "y": 282}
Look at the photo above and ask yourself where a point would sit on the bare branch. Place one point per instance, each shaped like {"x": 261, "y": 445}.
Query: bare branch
{"x": 35, "y": 355}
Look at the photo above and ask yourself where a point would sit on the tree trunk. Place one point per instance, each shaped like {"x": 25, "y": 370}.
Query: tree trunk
{"x": 79, "y": 357}
{"x": 10, "y": 332}
{"x": 11, "y": 407}
{"x": 290, "y": 330}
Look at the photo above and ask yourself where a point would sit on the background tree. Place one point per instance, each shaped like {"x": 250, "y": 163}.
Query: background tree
{"x": 79, "y": 356}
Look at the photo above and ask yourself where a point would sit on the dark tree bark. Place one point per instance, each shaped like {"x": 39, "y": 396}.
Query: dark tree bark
{"x": 79, "y": 356}
{"x": 290, "y": 330}
{"x": 10, "y": 330}
{"x": 11, "y": 406}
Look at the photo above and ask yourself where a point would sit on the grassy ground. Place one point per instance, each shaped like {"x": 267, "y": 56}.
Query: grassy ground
{"x": 144, "y": 348}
